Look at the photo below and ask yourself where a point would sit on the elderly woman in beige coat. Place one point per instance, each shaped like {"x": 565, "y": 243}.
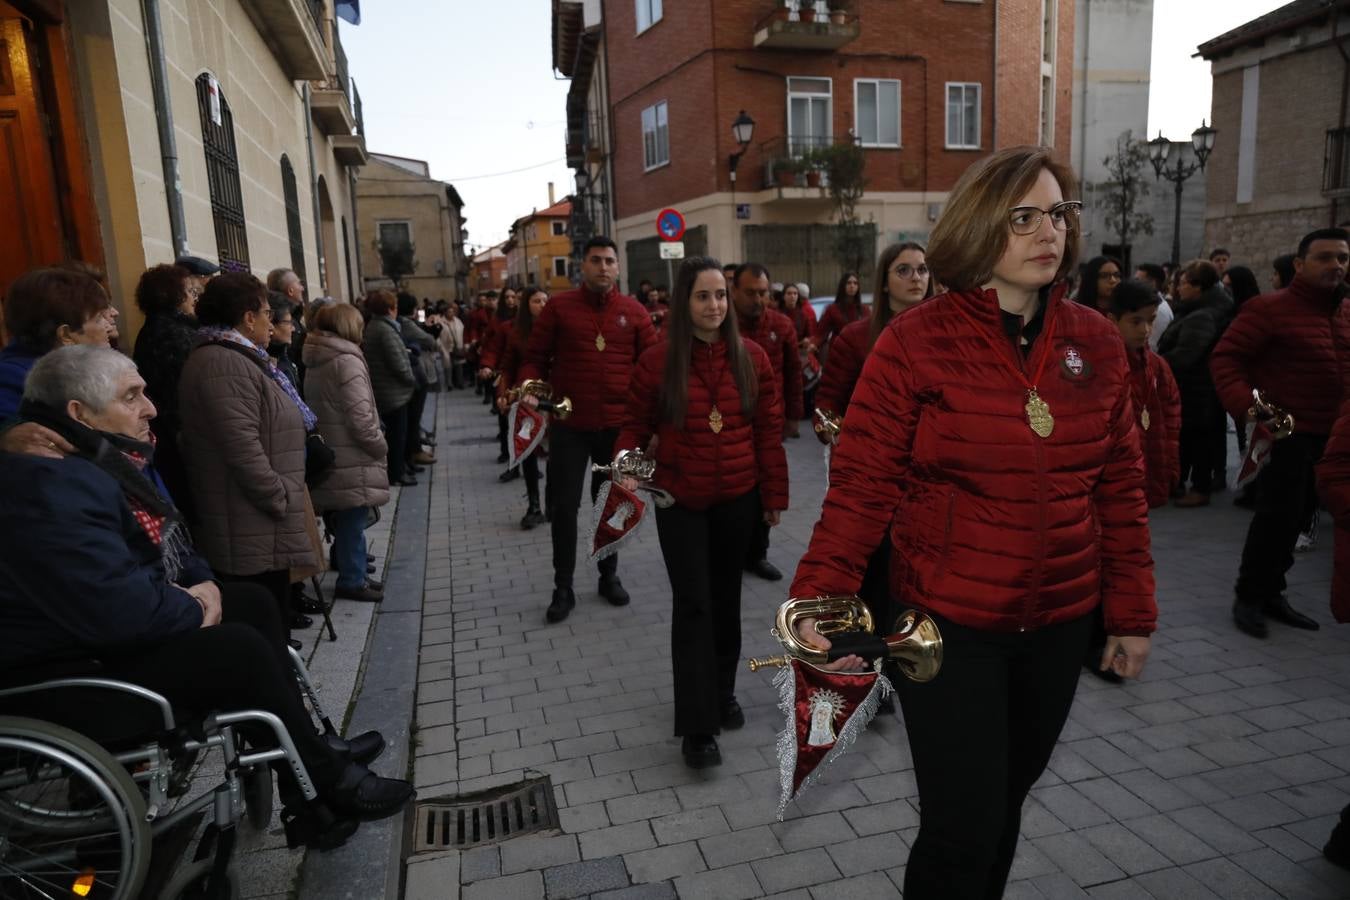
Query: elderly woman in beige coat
{"x": 243, "y": 441}
{"x": 337, "y": 388}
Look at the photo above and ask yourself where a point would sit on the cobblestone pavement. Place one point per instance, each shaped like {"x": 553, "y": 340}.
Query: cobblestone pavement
{"x": 1219, "y": 775}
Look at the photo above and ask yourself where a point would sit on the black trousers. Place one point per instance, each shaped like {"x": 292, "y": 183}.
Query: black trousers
{"x": 239, "y": 664}
{"x": 413, "y": 441}
{"x": 1201, "y": 461}
{"x": 570, "y": 453}
{"x": 1286, "y": 498}
{"x": 530, "y": 468}
{"x": 277, "y": 583}
{"x": 501, "y": 432}
{"x": 758, "y": 548}
{"x": 704, "y": 550}
{"x": 395, "y": 424}
{"x": 974, "y": 768}
{"x": 876, "y": 589}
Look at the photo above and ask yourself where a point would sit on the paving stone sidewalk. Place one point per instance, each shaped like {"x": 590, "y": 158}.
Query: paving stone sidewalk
{"x": 1218, "y": 775}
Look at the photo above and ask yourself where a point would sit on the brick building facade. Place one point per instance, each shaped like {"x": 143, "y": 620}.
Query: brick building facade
{"x": 677, "y": 75}
{"x": 1281, "y": 166}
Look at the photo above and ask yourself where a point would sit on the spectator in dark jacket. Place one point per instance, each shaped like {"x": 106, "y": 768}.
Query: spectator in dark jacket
{"x": 46, "y": 309}
{"x": 95, "y": 562}
{"x": 422, "y": 349}
{"x": 1202, "y": 313}
{"x": 391, "y": 377}
{"x": 1241, "y": 284}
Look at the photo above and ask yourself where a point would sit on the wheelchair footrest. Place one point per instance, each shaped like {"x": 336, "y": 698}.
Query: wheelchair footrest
{"x": 314, "y": 825}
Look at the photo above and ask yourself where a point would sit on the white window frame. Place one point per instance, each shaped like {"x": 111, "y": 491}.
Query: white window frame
{"x": 947, "y": 108}
{"x": 829, "y": 99}
{"x": 407, "y": 223}
{"x": 660, "y": 112}
{"x": 559, "y": 228}
{"x": 647, "y": 13}
{"x": 556, "y": 261}
{"x": 857, "y": 111}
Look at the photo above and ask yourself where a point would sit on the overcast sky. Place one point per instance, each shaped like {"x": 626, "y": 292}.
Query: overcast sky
{"x": 469, "y": 87}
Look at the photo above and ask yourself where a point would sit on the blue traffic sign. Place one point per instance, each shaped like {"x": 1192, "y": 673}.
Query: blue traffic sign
{"x": 670, "y": 225}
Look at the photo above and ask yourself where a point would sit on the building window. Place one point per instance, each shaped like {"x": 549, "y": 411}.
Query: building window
{"x": 394, "y": 234}
{"x": 293, "y": 231}
{"x": 1049, "y": 47}
{"x": 559, "y": 267}
{"x": 1246, "y": 163}
{"x": 648, "y": 14}
{"x": 222, "y": 175}
{"x": 655, "y": 136}
{"x": 963, "y": 116}
{"x": 559, "y": 228}
{"x": 810, "y": 115}
{"x": 876, "y": 105}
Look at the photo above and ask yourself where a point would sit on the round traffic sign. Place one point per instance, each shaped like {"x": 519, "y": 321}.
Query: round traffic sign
{"x": 670, "y": 225}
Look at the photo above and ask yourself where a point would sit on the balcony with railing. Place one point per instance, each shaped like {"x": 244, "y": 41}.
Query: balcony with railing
{"x": 822, "y": 26}
{"x": 796, "y": 166}
{"x": 1336, "y": 164}
{"x": 330, "y": 99}
{"x": 349, "y": 149}
{"x": 294, "y": 31}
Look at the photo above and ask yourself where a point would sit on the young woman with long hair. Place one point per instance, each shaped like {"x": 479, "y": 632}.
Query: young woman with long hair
{"x": 991, "y": 434}
{"x": 712, "y": 401}
{"x": 490, "y": 356}
{"x": 846, "y": 308}
{"x": 1100, "y": 277}
{"x": 508, "y": 364}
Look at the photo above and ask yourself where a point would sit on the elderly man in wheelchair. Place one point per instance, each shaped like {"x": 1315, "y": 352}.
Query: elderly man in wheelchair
{"x": 121, "y": 659}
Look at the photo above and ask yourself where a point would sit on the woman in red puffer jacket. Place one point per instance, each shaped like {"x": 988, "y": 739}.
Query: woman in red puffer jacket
{"x": 992, "y": 435}
{"x": 510, "y": 357}
{"x": 712, "y": 402}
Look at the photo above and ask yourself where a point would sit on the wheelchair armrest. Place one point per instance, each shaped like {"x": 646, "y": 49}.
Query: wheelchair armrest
{"x": 165, "y": 710}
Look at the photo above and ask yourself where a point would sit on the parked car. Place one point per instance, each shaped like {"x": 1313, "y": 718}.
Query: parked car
{"x": 820, "y": 304}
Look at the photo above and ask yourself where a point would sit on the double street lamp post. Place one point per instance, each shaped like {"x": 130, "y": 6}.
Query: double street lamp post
{"x": 1160, "y": 151}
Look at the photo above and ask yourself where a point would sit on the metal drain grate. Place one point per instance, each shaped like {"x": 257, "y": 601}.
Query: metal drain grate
{"x": 486, "y": 818}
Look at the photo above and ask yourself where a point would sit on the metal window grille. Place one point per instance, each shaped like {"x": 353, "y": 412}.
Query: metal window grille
{"x": 222, "y": 175}
{"x": 1336, "y": 164}
{"x": 293, "y": 230}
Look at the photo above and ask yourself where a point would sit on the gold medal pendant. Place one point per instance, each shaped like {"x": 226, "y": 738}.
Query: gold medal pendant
{"x": 600, "y": 342}
{"x": 715, "y": 420}
{"x": 1038, "y": 415}
{"x": 1144, "y": 420}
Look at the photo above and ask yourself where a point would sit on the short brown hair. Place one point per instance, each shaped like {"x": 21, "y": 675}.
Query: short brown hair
{"x": 1202, "y": 273}
{"x": 227, "y": 297}
{"x": 40, "y": 301}
{"x": 972, "y": 233}
{"x": 162, "y": 288}
{"x": 341, "y": 319}
{"x": 381, "y": 302}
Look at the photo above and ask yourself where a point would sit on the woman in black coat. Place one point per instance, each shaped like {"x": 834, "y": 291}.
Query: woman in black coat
{"x": 1203, "y": 311}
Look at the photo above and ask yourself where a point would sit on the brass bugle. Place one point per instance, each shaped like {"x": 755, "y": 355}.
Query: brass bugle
{"x": 1281, "y": 422}
{"x": 543, "y": 392}
{"x": 828, "y": 424}
{"x": 629, "y": 464}
{"x": 915, "y": 643}
{"x": 560, "y": 408}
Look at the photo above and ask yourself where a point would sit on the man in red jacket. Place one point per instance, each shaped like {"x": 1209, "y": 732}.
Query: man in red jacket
{"x": 1283, "y": 344}
{"x": 585, "y": 343}
{"x": 775, "y": 333}
{"x": 477, "y": 328}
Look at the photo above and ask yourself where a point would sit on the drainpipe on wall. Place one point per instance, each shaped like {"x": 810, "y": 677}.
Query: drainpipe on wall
{"x": 168, "y": 146}
{"x": 993, "y": 106}
{"x": 1338, "y": 39}
{"x": 314, "y": 193}
{"x": 358, "y": 281}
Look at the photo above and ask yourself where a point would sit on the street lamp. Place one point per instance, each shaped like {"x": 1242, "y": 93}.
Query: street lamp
{"x": 743, "y": 129}
{"x": 1160, "y": 151}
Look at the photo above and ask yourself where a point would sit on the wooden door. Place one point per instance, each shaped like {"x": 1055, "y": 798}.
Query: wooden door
{"x": 31, "y": 232}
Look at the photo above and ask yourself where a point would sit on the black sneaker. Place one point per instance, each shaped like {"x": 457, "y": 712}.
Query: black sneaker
{"x": 561, "y": 606}
{"x": 612, "y": 589}
{"x": 733, "y": 716}
{"x": 362, "y": 748}
{"x": 532, "y": 518}
{"x": 510, "y": 474}
{"x": 764, "y": 569}
{"x": 361, "y": 794}
{"x": 1250, "y": 619}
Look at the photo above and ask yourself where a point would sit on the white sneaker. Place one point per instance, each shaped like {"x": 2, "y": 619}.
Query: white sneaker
{"x": 1305, "y": 543}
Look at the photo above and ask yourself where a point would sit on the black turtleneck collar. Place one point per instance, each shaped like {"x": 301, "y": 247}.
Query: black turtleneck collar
{"x": 1013, "y": 327}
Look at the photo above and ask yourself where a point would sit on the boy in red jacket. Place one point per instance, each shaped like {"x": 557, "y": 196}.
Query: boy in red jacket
{"x": 1157, "y": 402}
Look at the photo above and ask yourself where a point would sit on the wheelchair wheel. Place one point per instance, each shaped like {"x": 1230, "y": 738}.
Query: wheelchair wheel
{"x": 190, "y": 884}
{"x": 72, "y": 821}
{"x": 257, "y": 792}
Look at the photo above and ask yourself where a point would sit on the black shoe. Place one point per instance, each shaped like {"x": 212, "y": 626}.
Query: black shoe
{"x": 700, "y": 751}
{"x": 1337, "y": 850}
{"x": 309, "y": 605}
{"x": 502, "y": 457}
{"x": 294, "y": 644}
{"x": 611, "y": 588}
{"x": 561, "y": 606}
{"x": 408, "y": 481}
{"x": 764, "y": 569}
{"x": 375, "y": 585}
{"x": 315, "y": 826}
{"x": 1250, "y": 619}
{"x": 509, "y": 475}
{"x": 370, "y": 568}
{"x": 362, "y": 594}
{"x": 733, "y": 716}
{"x": 414, "y": 468}
{"x": 532, "y": 518}
{"x": 363, "y": 748}
{"x": 1280, "y": 610}
{"x": 370, "y": 559}
{"x": 299, "y": 621}
{"x": 361, "y": 794}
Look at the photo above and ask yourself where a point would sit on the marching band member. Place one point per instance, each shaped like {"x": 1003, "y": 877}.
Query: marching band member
{"x": 991, "y": 433}
{"x": 588, "y": 340}
{"x": 476, "y": 329}
{"x": 508, "y": 364}
{"x": 712, "y": 401}
{"x": 494, "y": 344}
{"x": 847, "y": 307}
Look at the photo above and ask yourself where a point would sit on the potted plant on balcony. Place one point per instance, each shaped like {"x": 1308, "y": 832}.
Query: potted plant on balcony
{"x": 806, "y": 10}
{"x": 810, "y": 165}
{"x": 839, "y": 10}
{"x": 785, "y": 172}
{"x": 782, "y": 11}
